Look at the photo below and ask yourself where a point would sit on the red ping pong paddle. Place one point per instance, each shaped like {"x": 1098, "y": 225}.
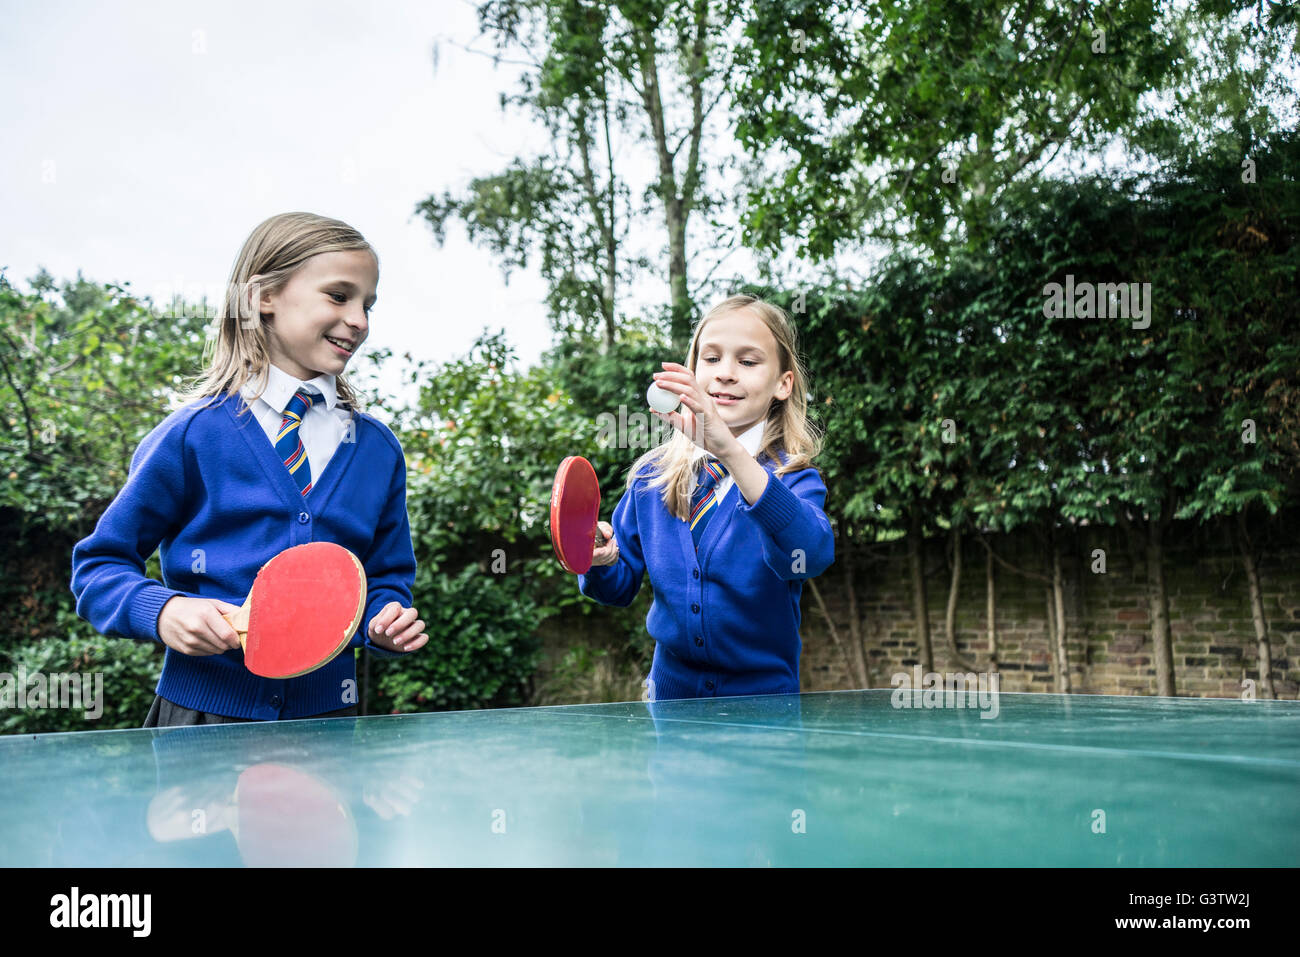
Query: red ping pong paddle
{"x": 575, "y": 507}
{"x": 304, "y": 608}
{"x": 289, "y": 818}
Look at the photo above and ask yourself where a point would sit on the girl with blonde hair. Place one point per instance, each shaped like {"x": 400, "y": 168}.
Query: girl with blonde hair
{"x": 726, "y": 516}
{"x": 220, "y": 498}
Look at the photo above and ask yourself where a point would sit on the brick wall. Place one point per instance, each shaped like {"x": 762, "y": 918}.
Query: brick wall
{"x": 1109, "y": 638}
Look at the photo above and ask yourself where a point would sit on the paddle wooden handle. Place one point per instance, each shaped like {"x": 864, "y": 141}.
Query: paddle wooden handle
{"x": 239, "y": 621}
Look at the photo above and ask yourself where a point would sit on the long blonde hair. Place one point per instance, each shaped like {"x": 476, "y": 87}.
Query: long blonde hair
{"x": 787, "y": 429}
{"x": 274, "y": 251}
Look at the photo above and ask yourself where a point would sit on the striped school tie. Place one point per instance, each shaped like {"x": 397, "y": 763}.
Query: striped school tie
{"x": 705, "y": 500}
{"x": 288, "y": 443}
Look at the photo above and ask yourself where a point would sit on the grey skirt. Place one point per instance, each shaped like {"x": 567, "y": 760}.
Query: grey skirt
{"x": 166, "y": 714}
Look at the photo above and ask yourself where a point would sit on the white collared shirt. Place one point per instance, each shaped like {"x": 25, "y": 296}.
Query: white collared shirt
{"x": 322, "y": 428}
{"x": 751, "y": 439}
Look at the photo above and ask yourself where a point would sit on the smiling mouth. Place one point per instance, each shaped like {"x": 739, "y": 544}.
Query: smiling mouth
{"x": 343, "y": 344}
{"x": 726, "y": 395}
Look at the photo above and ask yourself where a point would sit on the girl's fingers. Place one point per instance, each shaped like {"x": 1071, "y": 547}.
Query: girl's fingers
{"x": 221, "y": 633}
{"x": 409, "y": 633}
{"x": 381, "y": 622}
{"x": 213, "y": 634}
{"x": 413, "y": 639}
{"x": 206, "y": 644}
{"x": 675, "y": 381}
{"x": 407, "y": 616}
{"x": 672, "y": 418}
{"x": 676, "y": 420}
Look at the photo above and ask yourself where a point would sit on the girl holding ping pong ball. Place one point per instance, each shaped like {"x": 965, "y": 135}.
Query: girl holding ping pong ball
{"x": 271, "y": 450}
{"x": 726, "y": 516}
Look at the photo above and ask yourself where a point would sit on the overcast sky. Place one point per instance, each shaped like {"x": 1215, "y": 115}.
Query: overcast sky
{"x": 145, "y": 140}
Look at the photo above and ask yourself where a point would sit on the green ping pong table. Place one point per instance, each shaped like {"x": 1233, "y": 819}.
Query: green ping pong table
{"x": 837, "y": 778}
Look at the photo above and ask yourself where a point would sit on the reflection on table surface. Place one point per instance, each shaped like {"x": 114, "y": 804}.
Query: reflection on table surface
{"x": 838, "y": 778}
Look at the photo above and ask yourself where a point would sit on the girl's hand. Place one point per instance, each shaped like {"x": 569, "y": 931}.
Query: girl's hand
{"x": 698, "y": 416}
{"x": 398, "y": 629}
{"x": 606, "y": 554}
{"x": 195, "y": 626}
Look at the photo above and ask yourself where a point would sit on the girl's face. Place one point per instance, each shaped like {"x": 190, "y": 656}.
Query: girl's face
{"x": 328, "y": 298}
{"x": 738, "y": 357}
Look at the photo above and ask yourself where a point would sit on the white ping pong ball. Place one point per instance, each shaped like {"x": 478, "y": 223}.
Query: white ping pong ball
{"x": 661, "y": 400}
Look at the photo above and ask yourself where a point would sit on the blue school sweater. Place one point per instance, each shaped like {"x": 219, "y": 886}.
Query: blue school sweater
{"x": 209, "y": 491}
{"x": 725, "y": 620}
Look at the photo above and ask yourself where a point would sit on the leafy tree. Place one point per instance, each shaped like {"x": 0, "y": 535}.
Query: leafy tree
{"x": 604, "y": 78}
{"x": 955, "y": 400}
{"x": 909, "y": 121}
{"x": 86, "y": 370}
{"x": 1231, "y": 256}
{"x": 85, "y": 373}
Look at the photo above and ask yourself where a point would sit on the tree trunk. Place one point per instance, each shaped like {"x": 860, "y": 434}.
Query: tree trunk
{"x": 681, "y": 299}
{"x": 919, "y": 615}
{"x": 1051, "y": 637}
{"x": 677, "y": 206}
{"x": 861, "y": 671}
{"x": 991, "y": 612}
{"x": 600, "y": 204}
{"x": 1062, "y": 633}
{"x": 950, "y": 615}
{"x": 1256, "y": 610}
{"x": 830, "y": 627}
{"x": 1158, "y": 601}
{"x": 611, "y": 242}
{"x": 851, "y": 649}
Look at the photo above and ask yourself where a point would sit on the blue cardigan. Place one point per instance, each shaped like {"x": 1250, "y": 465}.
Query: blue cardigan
{"x": 209, "y": 489}
{"x": 726, "y": 620}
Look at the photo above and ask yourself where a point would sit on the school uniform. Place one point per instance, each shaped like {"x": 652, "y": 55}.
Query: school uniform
{"x": 725, "y": 616}
{"x": 210, "y": 489}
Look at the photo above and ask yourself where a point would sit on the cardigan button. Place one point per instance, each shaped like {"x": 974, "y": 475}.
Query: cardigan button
{"x": 695, "y": 573}
{"x": 303, "y": 518}
{"x": 708, "y": 686}
{"x": 699, "y": 641}
{"x": 695, "y": 608}
{"x": 275, "y": 701}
